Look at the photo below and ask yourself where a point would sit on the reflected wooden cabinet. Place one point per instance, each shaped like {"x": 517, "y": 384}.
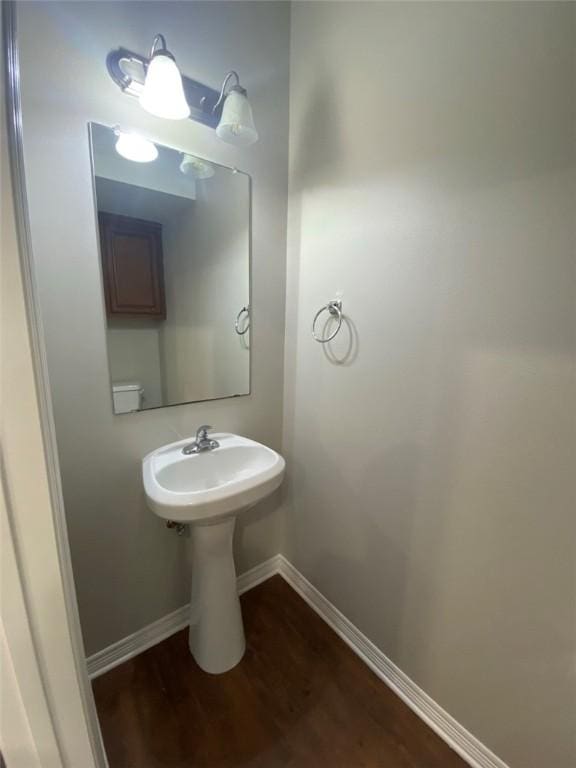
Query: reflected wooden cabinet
{"x": 132, "y": 266}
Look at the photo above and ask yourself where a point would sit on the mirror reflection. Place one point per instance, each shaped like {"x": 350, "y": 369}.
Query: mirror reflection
{"x": 175, "y": 253}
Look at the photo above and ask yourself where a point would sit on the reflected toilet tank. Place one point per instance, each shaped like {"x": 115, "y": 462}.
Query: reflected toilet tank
{"x": 127, "y": 396}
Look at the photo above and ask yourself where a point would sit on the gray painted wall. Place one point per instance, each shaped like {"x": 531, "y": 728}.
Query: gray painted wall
{"x": 129, "y": 569}
{"x": 432, "y": 490}
{"x": 207, "y": 282}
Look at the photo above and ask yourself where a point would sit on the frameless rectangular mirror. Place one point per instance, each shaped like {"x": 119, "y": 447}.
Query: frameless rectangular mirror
{"x": 174, "y": 237}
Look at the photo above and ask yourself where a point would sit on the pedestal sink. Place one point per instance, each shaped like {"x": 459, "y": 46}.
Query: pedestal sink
{"x": 208, "y": 490}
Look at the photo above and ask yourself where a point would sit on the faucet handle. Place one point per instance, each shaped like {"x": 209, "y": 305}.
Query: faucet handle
{"x": 202, "y": 432}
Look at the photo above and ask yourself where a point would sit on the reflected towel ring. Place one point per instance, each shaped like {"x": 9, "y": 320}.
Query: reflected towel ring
{"x": 237, "y": 322}
{"x": 335, "y": 309}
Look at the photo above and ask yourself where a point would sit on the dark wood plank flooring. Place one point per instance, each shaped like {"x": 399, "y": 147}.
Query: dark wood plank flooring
{"x": 300, "y": 698}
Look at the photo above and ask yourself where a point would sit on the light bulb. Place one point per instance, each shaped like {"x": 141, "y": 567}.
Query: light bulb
{"x": 163, "y": 93}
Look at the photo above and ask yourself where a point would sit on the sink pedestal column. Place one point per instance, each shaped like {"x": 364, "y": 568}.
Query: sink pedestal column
{"x": 216, "y": 636}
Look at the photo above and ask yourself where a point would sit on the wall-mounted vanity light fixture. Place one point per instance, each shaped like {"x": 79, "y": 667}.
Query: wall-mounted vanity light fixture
{"x": 134, "y": 147}
{"x": 162, "y": 90}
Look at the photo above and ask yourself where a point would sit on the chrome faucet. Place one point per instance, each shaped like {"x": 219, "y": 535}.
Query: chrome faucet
{"x": 202, "y": 442}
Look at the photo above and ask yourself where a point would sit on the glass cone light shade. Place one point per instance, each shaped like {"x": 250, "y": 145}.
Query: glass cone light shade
{"x": 163, "y": 93}
{"x": 236, "y": 125}
{"x": 135, "y": 148}
{"x": 196, "y": 167}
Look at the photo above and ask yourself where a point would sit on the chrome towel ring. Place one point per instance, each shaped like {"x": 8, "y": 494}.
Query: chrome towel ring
{"x": 237, "y": 322}
{"x": 335, "y": 309}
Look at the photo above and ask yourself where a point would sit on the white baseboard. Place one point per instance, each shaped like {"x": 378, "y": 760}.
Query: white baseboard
{"x": 154, "y": 633}
{"x": 259, "y": 573}
{"x": 455, "y": 735}
{"x": 131, "y": 646}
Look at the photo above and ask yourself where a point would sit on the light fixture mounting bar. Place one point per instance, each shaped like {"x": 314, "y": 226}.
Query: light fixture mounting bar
{"x": 128, "y": 70}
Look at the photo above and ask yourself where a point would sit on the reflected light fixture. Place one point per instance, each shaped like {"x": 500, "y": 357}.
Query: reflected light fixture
{"x": 163, "y": 93}
{"x": 196, "y": 167}
{"x": 135, "y": 148}
{"x": 236, "y": 124}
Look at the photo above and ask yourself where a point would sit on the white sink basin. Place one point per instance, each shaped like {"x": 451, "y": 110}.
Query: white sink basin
{"x": 212, "y": 484}
{"x": 207, "y": 490}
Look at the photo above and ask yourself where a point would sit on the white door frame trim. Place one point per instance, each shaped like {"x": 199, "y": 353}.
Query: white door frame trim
{"x": 15, "y": 144}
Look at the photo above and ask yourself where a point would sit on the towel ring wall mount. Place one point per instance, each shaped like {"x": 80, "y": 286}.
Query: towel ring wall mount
{"x": 244, "y": 310}
{"x": 334, "y": 308}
